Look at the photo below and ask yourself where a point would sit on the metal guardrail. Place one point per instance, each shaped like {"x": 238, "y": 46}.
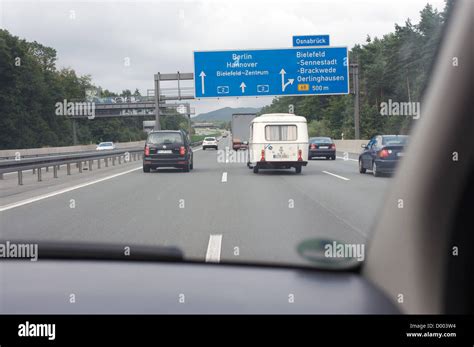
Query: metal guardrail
{"x": 11, "y": 157}
{"x": 57, "y": 160}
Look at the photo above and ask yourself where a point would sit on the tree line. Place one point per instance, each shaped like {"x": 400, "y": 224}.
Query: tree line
{"x": 30, "y": 87}
{"x": 396, "y": 66}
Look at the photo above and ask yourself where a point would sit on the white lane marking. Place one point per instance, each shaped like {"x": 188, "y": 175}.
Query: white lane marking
{"x": 62, "y": 191}
{"x": 224, "y": 177}
{"x": 197, "y": 149}
{"x": 345, "y": 159}
{"x": 213, "y": 253}
{"x": 342, "y": 178}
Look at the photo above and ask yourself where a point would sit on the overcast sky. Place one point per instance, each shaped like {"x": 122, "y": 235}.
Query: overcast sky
{"x": 99, "y": 37}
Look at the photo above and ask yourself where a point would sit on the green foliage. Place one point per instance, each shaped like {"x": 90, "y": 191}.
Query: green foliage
{"x": 31, "y": 85}
{"x": 395, "y": 67}
{"x": 174, "y": 122}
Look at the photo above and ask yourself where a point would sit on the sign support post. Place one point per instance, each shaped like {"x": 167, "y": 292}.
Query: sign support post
{"x": 157, "y": 102}
{"x": 355, "y": 81}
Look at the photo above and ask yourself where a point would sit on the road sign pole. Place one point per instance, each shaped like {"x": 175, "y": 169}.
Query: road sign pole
{"x": 179, "y": 86}
{"x": 188, "y": 111}
{"x": 157, "y": 102}
{"x": 355, "y": 79}
{"x": 74, "y": 132}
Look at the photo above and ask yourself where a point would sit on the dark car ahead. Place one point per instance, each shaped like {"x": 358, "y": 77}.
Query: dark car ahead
{"x": 322, "y": 147}
{"x": 168, "y": 148}
{"x": 382, "y": 153}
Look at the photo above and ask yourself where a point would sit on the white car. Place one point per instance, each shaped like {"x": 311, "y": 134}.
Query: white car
{"x": 103, "y": 146}
{"x": 209, "y": 142}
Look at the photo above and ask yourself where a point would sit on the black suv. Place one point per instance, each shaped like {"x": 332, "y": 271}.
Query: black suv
{"x": 168, "y": 148}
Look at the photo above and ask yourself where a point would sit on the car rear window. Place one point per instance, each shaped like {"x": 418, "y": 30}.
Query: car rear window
{"x": 210, "y": 139}
{"x": 280, "y": 133}
{"x": 163, "y": 138}
{"x": 394, "y": 140}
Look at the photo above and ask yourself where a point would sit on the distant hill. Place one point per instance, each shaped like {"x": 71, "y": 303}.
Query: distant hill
{"x": 223, "y": 114}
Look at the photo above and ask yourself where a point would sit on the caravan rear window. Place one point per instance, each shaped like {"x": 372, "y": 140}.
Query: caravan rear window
{"x": 280, "y": 133}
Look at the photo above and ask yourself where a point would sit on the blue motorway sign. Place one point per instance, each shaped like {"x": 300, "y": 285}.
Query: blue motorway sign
{"x": 272, "y": 72}
{"x": 310, "y": 40}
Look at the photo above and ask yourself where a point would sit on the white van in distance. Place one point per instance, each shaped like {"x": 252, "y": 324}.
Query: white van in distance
{"x": 278, "y": 141}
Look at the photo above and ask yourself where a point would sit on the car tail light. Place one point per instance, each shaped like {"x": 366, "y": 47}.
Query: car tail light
{"x": 182, "y": 151}
{"x": 333, "y": 146}
{"x": 313, "y": 146}
{"x": 384, "y": 153}
{"x": 300, "y": 155}
{"x": 147, "y": 151}
{"x": 262, "y": 157}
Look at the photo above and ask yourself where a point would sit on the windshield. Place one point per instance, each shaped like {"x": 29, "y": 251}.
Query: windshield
{"x": 149, "y": 73}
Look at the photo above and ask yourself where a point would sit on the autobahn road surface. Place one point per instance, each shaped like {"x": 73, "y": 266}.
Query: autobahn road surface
{"x": 218, "y": 212}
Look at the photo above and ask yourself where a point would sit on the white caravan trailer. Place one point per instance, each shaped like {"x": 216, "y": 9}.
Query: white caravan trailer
{"x": 278, "y": 141}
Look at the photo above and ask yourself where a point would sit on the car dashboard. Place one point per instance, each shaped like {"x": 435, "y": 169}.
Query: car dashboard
{"x": 57, "y": 286}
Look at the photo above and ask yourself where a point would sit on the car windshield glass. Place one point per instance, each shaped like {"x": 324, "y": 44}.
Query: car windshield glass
{"x": 164, "y": 138}
{"x": 263, "y": 108}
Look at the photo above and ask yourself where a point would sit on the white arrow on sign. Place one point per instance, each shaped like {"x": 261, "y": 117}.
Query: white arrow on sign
{"x": 202, "y": 75}
{"x": 283, "y": 84}
{"x": 243, "y": 86}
